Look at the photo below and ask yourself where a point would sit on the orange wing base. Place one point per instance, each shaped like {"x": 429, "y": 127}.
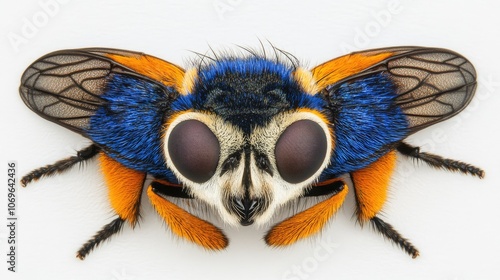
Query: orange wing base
{"x": 340, "y": 68}
{"x": 157, "y": 69}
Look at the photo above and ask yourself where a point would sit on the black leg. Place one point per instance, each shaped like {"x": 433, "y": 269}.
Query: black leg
{"x": 106, "y": 232}
{"x": 439, "y": 162}
{"x": 325, "y": 189}
{"x": 61, "y": 165}
{"x": 167, "y": 190}
{"x": 389, "y": 232}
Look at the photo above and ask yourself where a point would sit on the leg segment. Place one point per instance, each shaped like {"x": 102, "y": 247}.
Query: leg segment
{"x": 185, "y": 224}
{"x": 167, "y": 189}
{"x": 371, "y": 185}
{"x": 60, "y": 165}
{"x": 390, "y": 233}
{"x": 328, "y": 187}
{"x": 106, "y": 232}
{"x": 438, "y": 161}
{"x": 307, "y": 222}
{"x": 124, "y": 189}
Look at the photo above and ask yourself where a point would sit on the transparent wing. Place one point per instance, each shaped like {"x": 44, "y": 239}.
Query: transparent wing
{"x": 66, "y": 86}
{"x": 431, "y": 85}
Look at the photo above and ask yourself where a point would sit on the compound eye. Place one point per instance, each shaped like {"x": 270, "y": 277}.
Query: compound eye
{"x": 300, "y": 151}
{"x": 194, "y": 150}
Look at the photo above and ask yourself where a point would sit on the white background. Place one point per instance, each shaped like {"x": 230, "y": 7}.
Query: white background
{"x": 453, "y": 219}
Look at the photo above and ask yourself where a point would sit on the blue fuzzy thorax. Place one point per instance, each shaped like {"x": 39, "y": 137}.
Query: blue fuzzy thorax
{"x": 367, "y": 123}
{"x": 129, "y": 126}
{"x": 247, "y": 92}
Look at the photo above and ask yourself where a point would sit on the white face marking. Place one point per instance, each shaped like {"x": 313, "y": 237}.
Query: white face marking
{"x": 264, "y": 139}
{"x": 238, "y": 174}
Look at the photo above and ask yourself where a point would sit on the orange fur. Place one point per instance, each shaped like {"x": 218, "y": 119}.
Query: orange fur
{"x": 188, "y": 226}
{"x": 339, "y": 68}
{"x": 169, "y": 74}
{"x": 124, "y": 188}
{"x": 371, "y": 185}
{"x": 305, "y": 223}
